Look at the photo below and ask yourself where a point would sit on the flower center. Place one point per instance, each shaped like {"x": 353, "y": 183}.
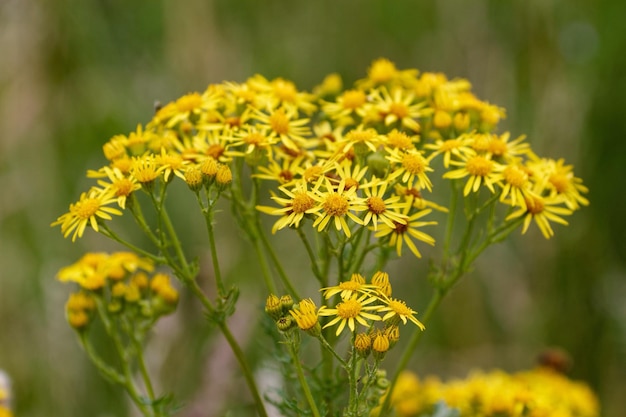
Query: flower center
{"x": 400, "y": 228}
{"x": 254, "y": 139}
{"x": 302, "y": 202}
{"x": 312, "y": 173}
{"x": 400, "y": 110}
{"x": 279, "y": 122}
{"x": 534, "y": 205}
{"x": 497, "y": 147}
{"x": 336, "y": 205}
{"x": 560, "y": 182}
{"x": 479, "y": 166}
{"x": 353, "y": 99}
{"x": 348, "y": 309}
{"x": 123, "y": 187}
{"x": 361, "y": 135}
{"x": 450, "y": 144}
{"x": 215, "y": 151}
{"x": 285, "y": 175}
{"x": 414, "y": 163}
{"x": 399, "y": 140}
{"x": 400, "y": 308}
{"x": 515, "y": 176}
{"x": 376, "y": 205}
{"x": 87, "y": 208}
{"x": 351, "y": 182}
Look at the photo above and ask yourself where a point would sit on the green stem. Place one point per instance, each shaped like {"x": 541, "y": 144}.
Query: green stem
{"x": 312, "y": 257}
{"x": 234, "y": 346}
{"x": 352, "y": 380}
{"x": 112, "y": 235}
{"x": 301, "y": 378}
{"x": 276, "y": 261}
{"x": 410, "y": 348}
{"x": 208, "y": 220}
{"x": 267, "y": 275}
{"x": 330, "y": 349}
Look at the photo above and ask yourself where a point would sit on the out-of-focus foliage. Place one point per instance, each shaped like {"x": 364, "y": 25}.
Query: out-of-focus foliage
{"x": 74, "y": 73}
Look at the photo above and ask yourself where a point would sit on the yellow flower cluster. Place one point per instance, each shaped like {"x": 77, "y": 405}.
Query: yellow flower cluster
{"x": 362, "y": 157}
{"x": 121, "y": 282}
{"x": 541, "y": 392}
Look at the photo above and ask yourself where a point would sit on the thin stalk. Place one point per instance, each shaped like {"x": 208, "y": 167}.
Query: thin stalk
{"x": 112, "y": 235}
{"x": 234, "y": 346}
{"x": 267, "y": 275}
{"x": 284, "y": 278}
{"x": 312, "y": 257}
{"x": 303, "y": 383}
{"x": 352, "y": 380}
{"x": 410, "y": 348}
{"x": 208, "y": 220}
{"x": 329, "y": 348}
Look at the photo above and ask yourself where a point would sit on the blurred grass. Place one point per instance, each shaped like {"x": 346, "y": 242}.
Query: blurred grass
{"x": 74, "y": 73}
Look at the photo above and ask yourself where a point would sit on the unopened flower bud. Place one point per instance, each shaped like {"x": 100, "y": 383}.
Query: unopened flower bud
{"x": 380, "y": 345}
{"x": 193, "y": 178}
{"x": 286, "y": 303}
{"x": 363, "y": 344}
{"x": 285, "y": 323}
{"x": 224, "y": 177}
{"x": 273, "y": 307}
{"x": 442, "y": 119}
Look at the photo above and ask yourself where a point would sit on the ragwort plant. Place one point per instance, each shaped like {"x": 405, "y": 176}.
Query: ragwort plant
{"x": 350, "y": 172}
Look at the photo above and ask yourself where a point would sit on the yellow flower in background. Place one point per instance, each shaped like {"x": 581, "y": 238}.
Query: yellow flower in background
{"x": 88, "y": 210}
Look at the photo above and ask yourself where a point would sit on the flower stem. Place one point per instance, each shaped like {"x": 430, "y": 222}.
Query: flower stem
{"x": 301, "y": 378}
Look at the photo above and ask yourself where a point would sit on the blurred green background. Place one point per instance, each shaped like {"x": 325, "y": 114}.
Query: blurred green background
{"x": 73, "y": 73}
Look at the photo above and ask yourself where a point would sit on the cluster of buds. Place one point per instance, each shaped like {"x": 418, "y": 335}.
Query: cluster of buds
{"x": 289, "y": 315}
{"x": 376, "y": 341}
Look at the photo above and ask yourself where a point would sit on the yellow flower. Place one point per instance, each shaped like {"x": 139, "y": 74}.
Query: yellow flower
{"x": 122, "y": 186}
{"x": 458, "y": 147}
{"x": 479, "y": 169}
{"x": 380, "y": 209}
{"x": 346, "y": 289}
{"x": 305, "y": 316}
{"x": 293, "y": 208}
{"x": 348, "y": 103}
{"x": 542, "y": 210}
{"x": 336, "y": 205}
{"x": 559, "y": 180}
{"x": 88, "y": 210}
{"x": 399, "y": 106}
{"x": 284, "y": 125}
{"x": 398, "y": 309}
{"x": 403, "y": 232}
{"x": 411, "y": 167}
{"x": 171, "y": 163}
{"x": 515, "y": 184}
{"x": 351, "y": 311}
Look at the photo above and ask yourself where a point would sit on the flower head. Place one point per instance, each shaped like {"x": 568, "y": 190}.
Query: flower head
{"x": 90, "y": 209}
{"x": 351, "y": 311}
